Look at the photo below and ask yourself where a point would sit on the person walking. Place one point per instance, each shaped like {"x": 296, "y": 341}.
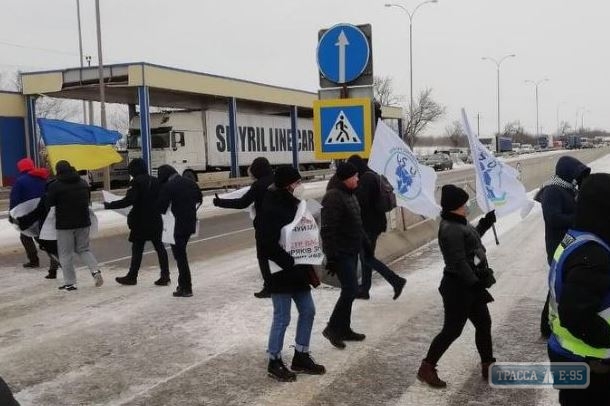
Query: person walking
{"x": 342, "y": 239}
{"x": 579, "y": 283}
{"x": 261, "y": 171}
{"x": 144, "y": 221}
{"x": 183, "y": 197}
{"x": 464, "y": 285}
{"x": 71, "y": 197}
{"x": 558, "y": 200}
{"x": 374, "y": 222}
{"x": 30, "y": 184}
{"x": 290, "y": 283}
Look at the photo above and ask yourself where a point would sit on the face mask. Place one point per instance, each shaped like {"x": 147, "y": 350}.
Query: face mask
{"x": 470, "y": 207}
{"x": 299, "y": 191}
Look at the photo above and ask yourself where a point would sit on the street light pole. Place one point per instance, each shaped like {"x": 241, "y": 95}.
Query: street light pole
{"x": 498, "y": 64}
{"x": 80, "y": 53}
{"x": 100, "y": 65}
{"x": 411, "y": 15}
{"x": 536, "y": 84}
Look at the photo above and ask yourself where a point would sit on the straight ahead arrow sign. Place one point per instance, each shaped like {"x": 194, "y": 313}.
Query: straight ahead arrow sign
{"x": 342, "y": 42}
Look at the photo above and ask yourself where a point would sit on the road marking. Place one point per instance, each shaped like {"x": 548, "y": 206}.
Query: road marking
{"x": 190, "y": 242}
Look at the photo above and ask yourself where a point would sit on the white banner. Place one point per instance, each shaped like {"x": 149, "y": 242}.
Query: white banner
{"x": 498, "y": 186}
{"x": 236, "y": 194}
{"x": 169, "y": 225}
{"x": 23, "y": 209}
{"x": 414, "y": 184}
{"x": 111, "y": 197}
{"x": 48, "y": 231}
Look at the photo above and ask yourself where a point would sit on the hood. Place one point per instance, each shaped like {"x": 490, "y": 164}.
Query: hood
{"x": 42, "y": 173}
{"x": 136, "y": 167}
{"x": 66, "y": 172}
{"x": 593, "y": 206}
{"x": 25, "y": 165}
{"x": 260, "y": 168}
{"x": 164, "y": 172}
{"x": 571, "y": 169}
{"x": 359, "y": 163}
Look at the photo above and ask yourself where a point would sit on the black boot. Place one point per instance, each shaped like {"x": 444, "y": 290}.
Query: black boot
{"x": 162, "y": 281}
{"x": 263, "y": 294}
{"x": 31, "y": 264}
{"x": 351, "y": 335}
{"x": 126, "y": 280}
{"x": 277, "y": 370}
{"x": 399, "y": 287}
{"x": 52, "y": 274}
{"x": 334, "y": 338}
{"x": 302, "y": 362}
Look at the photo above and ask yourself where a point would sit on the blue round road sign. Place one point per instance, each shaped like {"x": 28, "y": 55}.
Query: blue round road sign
{"x": 343, "y": 53}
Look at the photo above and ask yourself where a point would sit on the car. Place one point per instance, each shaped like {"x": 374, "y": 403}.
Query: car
{"x": 440, "y": 162}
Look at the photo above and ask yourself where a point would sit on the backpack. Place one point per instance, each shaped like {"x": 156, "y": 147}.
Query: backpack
{"x": 387, "y": 198}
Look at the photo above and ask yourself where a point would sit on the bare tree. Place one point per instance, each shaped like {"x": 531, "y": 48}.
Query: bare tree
{"x": 564, "y": 128}
{"x": 455, "y": 133}
{"x": 383, "y": 91}
{"x": 425, "y": 111}
{"x": 517, "y": 133}
{"x": 58, "y": 109}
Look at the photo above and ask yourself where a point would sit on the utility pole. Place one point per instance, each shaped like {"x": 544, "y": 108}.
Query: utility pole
{"x": 88, "y": 58}
{"x": 101, "y": 77}
{"x": 80, "y": 53}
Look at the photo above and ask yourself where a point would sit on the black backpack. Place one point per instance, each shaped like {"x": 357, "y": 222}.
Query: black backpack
{"x": 387, "y": 197}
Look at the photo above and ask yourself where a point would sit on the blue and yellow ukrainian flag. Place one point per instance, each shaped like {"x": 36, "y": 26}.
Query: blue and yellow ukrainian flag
{"x": 84, "y": 146}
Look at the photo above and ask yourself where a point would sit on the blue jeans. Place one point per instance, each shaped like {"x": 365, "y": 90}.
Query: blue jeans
{"x": 371, "y": 262}
{"x": 340, "y": 319}
{"x": 281, "y": 319}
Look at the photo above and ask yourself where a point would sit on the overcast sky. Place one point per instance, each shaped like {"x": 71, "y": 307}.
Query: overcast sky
{"x": 274, "y": 42}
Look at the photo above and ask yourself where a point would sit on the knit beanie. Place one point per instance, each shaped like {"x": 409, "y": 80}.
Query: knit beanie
{"x": 346, "y": 170}
{"x": 453, "y": 197}
{"x": 25, "y": 165}
{"x": 285, "y": 175}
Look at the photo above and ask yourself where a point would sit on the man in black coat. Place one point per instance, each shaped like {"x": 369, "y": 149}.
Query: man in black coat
{"x": 184, "y": 198}
{"x": 558, "y": 200}
{"x": 374, "y": 222}
{"x": 144, "y": 221}
{"x": 466, "y": 278}
{"x": 342, "y": 239}
{"x": 261, "y": 171}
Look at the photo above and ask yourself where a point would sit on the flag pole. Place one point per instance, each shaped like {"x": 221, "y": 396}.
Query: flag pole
{"x": 476, "y": 167}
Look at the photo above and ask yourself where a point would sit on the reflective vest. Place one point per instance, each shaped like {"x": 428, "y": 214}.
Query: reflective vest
{"x": 562, "y": 341}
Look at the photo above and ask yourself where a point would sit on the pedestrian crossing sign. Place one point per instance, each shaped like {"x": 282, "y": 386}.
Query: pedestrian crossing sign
{"x": 342, "y": 127}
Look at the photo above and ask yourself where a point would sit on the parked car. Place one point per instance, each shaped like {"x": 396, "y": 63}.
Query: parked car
{"x": 440, "y": 162}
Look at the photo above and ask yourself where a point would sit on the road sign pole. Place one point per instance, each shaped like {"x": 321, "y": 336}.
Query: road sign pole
{"x": 294, "y": 116}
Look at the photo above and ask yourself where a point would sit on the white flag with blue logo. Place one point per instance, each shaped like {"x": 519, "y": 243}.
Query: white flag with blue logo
{"x": 498, "y": 186}
{"x": 414, "y": 184}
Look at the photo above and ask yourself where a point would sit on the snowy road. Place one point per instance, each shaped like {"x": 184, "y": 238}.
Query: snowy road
{"x": 120, "y": 345}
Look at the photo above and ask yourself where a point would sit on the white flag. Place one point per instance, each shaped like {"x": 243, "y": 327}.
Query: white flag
{"x": 413, "y": 183}
{"x": 498, "y": 187}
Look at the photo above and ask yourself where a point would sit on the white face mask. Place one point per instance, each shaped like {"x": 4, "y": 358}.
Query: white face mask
{"x": 299, "y": 191}
{"x": 470, "y": 206}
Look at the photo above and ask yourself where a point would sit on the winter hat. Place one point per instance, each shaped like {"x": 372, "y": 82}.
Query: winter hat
{"x": 285, "y": 175}
{"x": 136, "y": 167}
{"x": 346, "y": 170}
{"x": 593, "y": 206}
{"x": 25, "y": 165}
{"x": 62, "y": 167}
{"x": 260, "y": 167}
{"x": 453, "y": 197}
{"x": 359, "y": 163}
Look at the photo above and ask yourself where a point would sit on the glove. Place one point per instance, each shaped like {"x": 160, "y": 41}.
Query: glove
{"x": 332, "y": 267}
{"x": 215, "y": 200}
{"x": 11, "y": 219}
{"x": 490, "y": 217}
{"x": 486, "y": 278}
{"x": 106, "y": 205}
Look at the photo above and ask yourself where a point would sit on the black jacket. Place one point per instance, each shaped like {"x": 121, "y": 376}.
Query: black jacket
{"x": 184, "y": 196}
{"x": 558, "y": 200}
{"x": 278, "y": 209}
{"x": 255, "y": 195}
{"x": 460, "y": 243}
{"x": 341, "y": 230}
{"x": 368, "y": 193}
{"x": 71, "y": 197}
{"x": 144, "y": 219}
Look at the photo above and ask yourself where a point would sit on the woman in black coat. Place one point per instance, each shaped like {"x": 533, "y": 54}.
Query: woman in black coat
{"x": 466, "y": 278}
{"x": 144, "y": 221}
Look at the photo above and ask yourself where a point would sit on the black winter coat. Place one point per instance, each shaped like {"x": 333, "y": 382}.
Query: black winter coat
{"x": 558, "y": 200}
{"x": 341, "y": 230}
{"x": 255, "y": 195}
{"x": 144, "y": 219}
{"x": 374, "y": 221}
{"x": 460, "y": 243}
{"x": 278, "y": 209}
{"x": 185, "y": 197}
{"x": 71, "y": 197}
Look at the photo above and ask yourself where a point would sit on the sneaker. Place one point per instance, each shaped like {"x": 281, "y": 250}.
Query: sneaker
{"x": 31, "y": 264}
{"x": 427, "y": 373}
{"x": 51, "y": 276}
{"x": 302, "y": 362}
{"x": 67, "y": 287}
{"x": 277, "y": 370}
{"x": 334, "y": 338}
{"x": 126, "y": 280}
{"x": 363, "y": 295}
{"x": 162, "y": 281}
{"x": 97, "y": 276}
{"x": 263, "y": 294}
{"x": 399, "y": 287}
{"x": 352, "y": 336}
{"x": 182, "y": 293}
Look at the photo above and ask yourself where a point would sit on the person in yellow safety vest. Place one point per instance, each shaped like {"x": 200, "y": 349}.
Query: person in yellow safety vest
{"x": 579, "y": 283}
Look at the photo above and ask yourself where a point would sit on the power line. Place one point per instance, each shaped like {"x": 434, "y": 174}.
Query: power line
{"x": 55, "y": 51}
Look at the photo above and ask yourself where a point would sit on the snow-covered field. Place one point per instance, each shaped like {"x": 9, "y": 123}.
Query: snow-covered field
{"x": 118, "y": 345}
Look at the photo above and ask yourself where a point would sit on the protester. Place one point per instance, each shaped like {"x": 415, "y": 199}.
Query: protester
{"x": 144, "y": 221}
{"x": 183, "y": 197}
{"x": 279, "y": 208}
{"x": 6, "y": 396}
{"x": 558, "y": 200}
{"x": 261, "y": 171}
{"x": 374, "y": 222}
{"x": 463, "y": 288}
{"x": 30, "y": 184}
{"x": 580, "y": 294}
{"x": 342, "y": 240}
{"x": 71, "y": 198}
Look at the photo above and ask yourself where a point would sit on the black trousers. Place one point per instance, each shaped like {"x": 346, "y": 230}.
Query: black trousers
{"x": 341, "y": 317}
{"x": 458, "y": 309}
{"x": 263, "y": 265}
{"x": 137, "y": 250}
{"x": 30, "y": 248}
{"x": 545, "y": 328}
{"x": 184, "y": 272}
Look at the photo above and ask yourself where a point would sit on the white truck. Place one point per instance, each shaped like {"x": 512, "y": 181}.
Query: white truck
{"x": 196, "y": 143}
